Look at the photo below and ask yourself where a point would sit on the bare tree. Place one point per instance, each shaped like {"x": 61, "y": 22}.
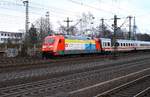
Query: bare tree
{"x": 143, "y": 37}
{"x": 42, "y": 28}
{"x": 62, "y": 29}
{"x": 86, "y": 22}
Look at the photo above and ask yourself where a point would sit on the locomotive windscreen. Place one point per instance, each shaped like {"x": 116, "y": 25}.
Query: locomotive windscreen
{"x": 49, "y": 40}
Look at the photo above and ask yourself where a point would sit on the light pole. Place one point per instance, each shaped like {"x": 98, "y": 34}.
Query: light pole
{"x": 26, "y": 3}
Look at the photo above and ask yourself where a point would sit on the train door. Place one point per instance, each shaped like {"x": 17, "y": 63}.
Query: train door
{"x": 61, "y": 46}
{"x": 98, "y": 45}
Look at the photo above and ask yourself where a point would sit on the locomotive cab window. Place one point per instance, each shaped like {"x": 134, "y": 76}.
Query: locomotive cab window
{"x": 50, "y": 40}
{"x": 60, "y": 41}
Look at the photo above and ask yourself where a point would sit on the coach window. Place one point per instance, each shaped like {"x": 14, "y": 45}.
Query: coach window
{"x": 108, "y": 44}
{"x": 121, "y": 44}
{"x": 135, "y": 44}
{"x": 103, "y": 43}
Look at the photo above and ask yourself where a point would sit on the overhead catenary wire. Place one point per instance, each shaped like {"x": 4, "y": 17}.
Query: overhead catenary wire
{"x": 123, "y": 22}
{"x": 89, "y": 6}
{"x": 53, "y": 8}
{"x": 33, "y": 9}
{"x": 40, "y": 9}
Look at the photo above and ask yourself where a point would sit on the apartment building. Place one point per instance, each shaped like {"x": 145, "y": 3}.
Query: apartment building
{"x": 13, "y": 37}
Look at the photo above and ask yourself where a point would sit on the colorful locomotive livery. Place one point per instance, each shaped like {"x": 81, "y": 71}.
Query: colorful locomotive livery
{"x": 65, "y": 45}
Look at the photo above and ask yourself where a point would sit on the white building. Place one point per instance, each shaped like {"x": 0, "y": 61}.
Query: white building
{"x": 13, "y": 37}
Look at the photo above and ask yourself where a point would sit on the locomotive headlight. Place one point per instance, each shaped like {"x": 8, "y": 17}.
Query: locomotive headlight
{"x": 44, "y": 46}
{"x": 49, "y": 46}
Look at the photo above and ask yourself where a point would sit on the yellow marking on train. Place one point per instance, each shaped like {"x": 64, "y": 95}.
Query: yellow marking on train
{"x": 80, "y": 41}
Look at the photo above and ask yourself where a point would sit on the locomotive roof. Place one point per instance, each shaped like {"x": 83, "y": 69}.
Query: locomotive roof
{"x": 77, "y": 37}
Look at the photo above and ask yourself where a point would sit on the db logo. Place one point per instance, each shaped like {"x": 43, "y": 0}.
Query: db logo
{"x": 66, "y": 45}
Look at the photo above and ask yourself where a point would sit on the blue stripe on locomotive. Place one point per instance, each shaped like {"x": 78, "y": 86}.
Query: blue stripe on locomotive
{"x": 90, "y": 47}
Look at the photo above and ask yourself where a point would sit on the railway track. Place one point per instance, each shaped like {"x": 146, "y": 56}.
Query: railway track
{"x": 137, "y": 88}
{"x": 71, "y": 84}
{"x": 26, "y": 63}
{"x": 20, "y": 77}
{"x": 29, "y": 63}
{"x": 144, "y": 93}
{"x": 124, "y": 86}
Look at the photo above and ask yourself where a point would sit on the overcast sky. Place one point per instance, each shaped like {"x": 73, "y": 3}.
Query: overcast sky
{"x": 12, "y": 12}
